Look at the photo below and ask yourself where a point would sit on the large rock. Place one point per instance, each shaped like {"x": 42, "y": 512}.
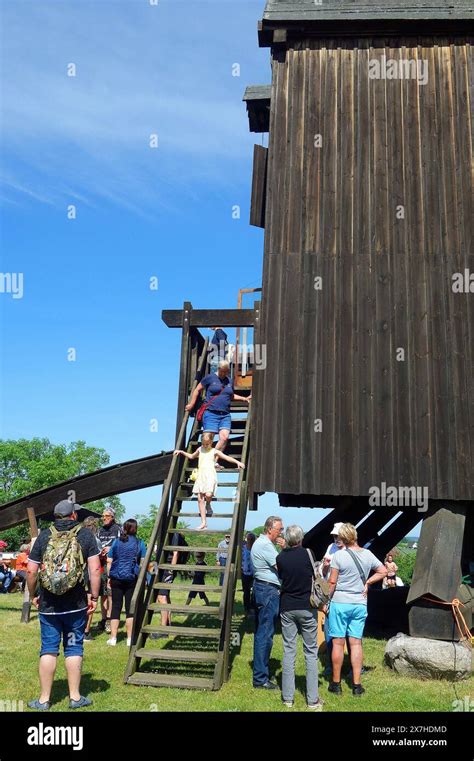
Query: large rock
{"x": 428, "y": 658}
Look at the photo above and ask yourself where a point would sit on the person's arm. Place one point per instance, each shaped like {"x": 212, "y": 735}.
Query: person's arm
{"x": 333, "y": 576}
{"x": 236, "y": 398}
{"x": 380, "y": 573}
{"x": 192, "y": 456}
{"x": 93, "y": 566}
{"x": 194, "y": 397}
{"x": 221, "y": 456}
{"x": 32, "y": 581}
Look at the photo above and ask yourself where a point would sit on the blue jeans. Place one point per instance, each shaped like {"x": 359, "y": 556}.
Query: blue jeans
{"x": 7, "y": 579}
{"x": 69, "y": 627}
{"x": 213, "y": 422}
{"x": 222, "y": 563}
{"x": 267, "y": 605}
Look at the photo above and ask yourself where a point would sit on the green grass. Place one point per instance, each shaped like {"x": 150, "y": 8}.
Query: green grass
{"x": 104, "y": 667}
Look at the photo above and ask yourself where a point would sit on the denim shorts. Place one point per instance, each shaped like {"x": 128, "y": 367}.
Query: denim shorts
{"x": 347, "y": 619}
{"x": 66, "y": 626}
{"x": 213, "y": 422}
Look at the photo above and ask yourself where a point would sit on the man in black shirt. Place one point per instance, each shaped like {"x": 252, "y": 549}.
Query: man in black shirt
{"x": 297, "y": 616}
{"x": 63, "y": 616}
{"x": 107, "y": 533}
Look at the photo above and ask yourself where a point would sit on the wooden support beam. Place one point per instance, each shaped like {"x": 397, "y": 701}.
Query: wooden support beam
{"x": 117, "y": 479}
{"x": 208, "y": 318}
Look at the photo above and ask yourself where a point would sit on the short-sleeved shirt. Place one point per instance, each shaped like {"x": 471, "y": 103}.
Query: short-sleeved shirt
{"x": 74, "y": 599}
{"x": 213, "y": 385}
{"x": 349, "y": 586}
{"x": 264, "y": 557}
{"x": 199, "y": 577}
{"x": 296, "y": 574}
{"x": 219, "y": 340}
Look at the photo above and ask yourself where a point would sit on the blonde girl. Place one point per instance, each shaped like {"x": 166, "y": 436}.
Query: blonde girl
{"x": 206, "y": 482}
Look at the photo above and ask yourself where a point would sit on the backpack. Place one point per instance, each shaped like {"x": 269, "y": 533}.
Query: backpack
{"x": 63, "y": 562}
{"x": 319, "y": 586}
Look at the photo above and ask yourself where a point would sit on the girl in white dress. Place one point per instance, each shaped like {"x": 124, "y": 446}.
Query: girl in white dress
{"x": 205, "y": 484}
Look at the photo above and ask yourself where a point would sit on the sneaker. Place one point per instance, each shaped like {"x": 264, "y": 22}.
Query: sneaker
{"x": 107, "y": 626}
{"x": 288, "y": 704}
{"x": 81, "y": 703}
{"x": 159, "y": 635}
{"x": 129, "y": 642}
{"x": 266, "y": 686}
{"x": 318, "y": 706}
{"x": 37, "y": 706}
{"x": 112, "y": 642}
{"x": 209, "y": 511}
{"x": 357, "y": 690}
{"x": 87, "y": 637}
{"x": 335, "y": 687}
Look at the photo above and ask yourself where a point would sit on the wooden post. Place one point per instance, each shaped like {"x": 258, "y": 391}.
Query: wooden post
{"x": 26, "y": 607}
{"x": 184, "y": 366}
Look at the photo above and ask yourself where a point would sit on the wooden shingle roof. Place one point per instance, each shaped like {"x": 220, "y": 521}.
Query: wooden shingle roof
{"x": 364, "y": 17}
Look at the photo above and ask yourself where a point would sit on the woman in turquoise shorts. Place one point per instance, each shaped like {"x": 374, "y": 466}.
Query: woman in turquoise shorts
{"x": 348, "y": 586}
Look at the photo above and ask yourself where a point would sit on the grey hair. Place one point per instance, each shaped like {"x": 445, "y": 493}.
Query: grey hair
{"x": 270, "y": 522}
{"x": 224, "y": 365}
{"x": 294, "y": 536}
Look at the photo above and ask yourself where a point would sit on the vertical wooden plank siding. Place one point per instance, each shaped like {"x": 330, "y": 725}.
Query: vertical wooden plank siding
{"x": 383, "y": 212}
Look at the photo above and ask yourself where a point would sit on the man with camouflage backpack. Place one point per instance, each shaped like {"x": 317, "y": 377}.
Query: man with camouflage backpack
{"x": 57, "y": 560}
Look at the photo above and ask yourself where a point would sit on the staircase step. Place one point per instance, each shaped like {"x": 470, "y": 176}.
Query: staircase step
{"x": 196, "y": 515}
{"x": 188, "y": 587}
{"x": 172, "y": 548}
{"x": 206, "y": 531}
{"x": 223, "y": 484}
{"x": 190, "y": 567}
{"x": 167, "y": 680}
{"x": 177, "y": 655}
{"x": 208, "y": 610}
{"x": 214, "y": 499}
{"x": 187, "y": 631}
{"x": 225, "y": 470}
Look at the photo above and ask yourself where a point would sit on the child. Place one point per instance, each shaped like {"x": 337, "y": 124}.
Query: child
{"x": 199, "y": 577}
{"x": 392, "y": 569}
{"x": 206, "y": 482}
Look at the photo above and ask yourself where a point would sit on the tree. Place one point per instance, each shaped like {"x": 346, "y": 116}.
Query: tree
{"x": 29, "y": 465}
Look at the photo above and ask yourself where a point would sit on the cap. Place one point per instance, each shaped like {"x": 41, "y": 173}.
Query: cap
{"x": 65, "y": 508}
{"x": 336, "y": 529}
{"x": 110, "y": 511}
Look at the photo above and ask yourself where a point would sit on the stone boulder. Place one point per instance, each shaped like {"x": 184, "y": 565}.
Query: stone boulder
{"x": 428, "y": 658}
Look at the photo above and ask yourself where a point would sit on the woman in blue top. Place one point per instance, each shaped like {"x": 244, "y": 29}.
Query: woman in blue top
{"x": 219, "y": 395}
{"x": 123, "y": 563}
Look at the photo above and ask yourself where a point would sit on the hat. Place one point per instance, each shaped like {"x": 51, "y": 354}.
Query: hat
{"x": 336, "y": 529}
{"x": 109, "y": 510}
{"x": 65, "y": 508}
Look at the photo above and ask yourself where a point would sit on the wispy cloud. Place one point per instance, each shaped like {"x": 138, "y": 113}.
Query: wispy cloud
{"x": 140, "y": 70}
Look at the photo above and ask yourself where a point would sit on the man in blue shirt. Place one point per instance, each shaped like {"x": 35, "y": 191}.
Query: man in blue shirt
{"x": 217, "y": 348}
{"x": 266, "y": 589}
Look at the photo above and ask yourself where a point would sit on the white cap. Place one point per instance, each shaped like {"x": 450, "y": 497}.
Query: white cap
{"x": 336, "y": 529}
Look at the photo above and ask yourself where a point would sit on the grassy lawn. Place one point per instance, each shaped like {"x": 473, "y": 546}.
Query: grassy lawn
{"x": 104, "y": 667}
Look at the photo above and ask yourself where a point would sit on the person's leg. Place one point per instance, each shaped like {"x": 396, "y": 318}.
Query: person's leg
{"x": 356, "y": 659}
{"x": 246, "y": 586}
{"x": 50, "y": 627}
{"x": 267, "y": 601}
{"x": 208, "y": 508}
{"x": 222, "y": 563}
{"x": 289, "y": 631}
{"x": 202, "y": 511}
{"x": 204, "y": 597}
{"x": 74, "y": 625}
{"x": 309, "y": 631}
{"x": 223, "y": 438}
{"x": 128, "y": 593}
{"x": 165, "y": 616}
{"x": 337, "y": 658}
{"x": 117, "y": 602}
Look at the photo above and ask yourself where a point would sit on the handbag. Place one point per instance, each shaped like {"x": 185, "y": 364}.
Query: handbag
{"x": 194, "y": 474}
{"x": 204, "y": 406}
{"x": 319, "y": 596}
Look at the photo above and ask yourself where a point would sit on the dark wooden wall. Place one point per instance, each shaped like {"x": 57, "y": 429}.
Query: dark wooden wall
{"x": 386, "y": 282}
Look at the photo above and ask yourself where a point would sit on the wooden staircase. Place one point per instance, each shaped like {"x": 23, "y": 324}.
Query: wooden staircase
{"x": 192, "y": 652}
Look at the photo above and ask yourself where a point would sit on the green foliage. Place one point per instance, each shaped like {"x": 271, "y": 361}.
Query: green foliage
{"x": 405, "y": 560}
{"x": 146, "y": 521}
{"x": 27, "y": 466}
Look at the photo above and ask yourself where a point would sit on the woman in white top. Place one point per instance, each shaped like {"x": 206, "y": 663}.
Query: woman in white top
{"x": 206, "y": 482}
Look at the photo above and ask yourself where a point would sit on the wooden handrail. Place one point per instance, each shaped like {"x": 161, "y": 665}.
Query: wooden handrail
{"x": 162, "y": 510}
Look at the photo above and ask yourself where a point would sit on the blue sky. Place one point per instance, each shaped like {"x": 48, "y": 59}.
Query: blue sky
{"x": 141, "y": 212}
